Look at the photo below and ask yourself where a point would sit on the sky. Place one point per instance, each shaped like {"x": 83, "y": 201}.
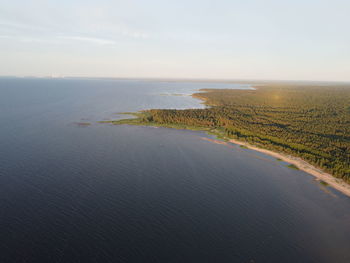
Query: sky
{"x": 222, "y": 39}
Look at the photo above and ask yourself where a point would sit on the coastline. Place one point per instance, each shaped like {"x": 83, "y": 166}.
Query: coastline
{"x": 320, "y": 175}
{"x": 302, "y": 165}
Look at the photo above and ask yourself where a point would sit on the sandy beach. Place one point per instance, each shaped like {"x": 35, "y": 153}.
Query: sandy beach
{"x": 320, "y": 175}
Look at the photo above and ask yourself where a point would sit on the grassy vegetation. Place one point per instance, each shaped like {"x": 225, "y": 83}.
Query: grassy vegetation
{"x": 292, "y": 166}
{"x": 144, "y": 119}
{"x": 279, "y": 159}
{"x": 244, "y": 147}
{"x": 324, "y": 183}
{"x": 311, "y": 122}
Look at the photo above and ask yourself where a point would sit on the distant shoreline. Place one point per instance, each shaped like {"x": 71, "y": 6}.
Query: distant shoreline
{"x": 254, "y": 81}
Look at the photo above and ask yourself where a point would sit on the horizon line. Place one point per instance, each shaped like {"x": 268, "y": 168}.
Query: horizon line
{"x": 57, "y": 76}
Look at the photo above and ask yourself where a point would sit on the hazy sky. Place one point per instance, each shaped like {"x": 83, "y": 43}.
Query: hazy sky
{"x": 245, "y": 39}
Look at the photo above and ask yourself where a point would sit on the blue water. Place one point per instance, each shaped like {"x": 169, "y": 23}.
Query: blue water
{"x": 106, "y": 193}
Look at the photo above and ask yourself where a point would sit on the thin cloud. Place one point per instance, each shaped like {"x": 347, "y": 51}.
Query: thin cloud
{"x": 26, "y": 39}
{"x": 94, "y": 40}
{"x": 133, "y": 34}
{"x": 20, "y": 26}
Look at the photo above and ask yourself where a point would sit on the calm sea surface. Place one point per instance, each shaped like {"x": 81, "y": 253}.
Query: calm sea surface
{"x": 107, "y": 193}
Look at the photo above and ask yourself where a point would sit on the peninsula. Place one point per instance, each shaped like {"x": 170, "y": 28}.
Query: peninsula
{"x": 305, "y": 125}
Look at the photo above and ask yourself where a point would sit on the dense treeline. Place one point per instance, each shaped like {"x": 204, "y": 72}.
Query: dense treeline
{"x": 306, "y": 121}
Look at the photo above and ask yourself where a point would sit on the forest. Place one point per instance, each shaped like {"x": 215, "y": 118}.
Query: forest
{"x": 311, "y": 122}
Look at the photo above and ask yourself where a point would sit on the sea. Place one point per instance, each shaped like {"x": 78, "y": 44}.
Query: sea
{"x": 75, "y": 190}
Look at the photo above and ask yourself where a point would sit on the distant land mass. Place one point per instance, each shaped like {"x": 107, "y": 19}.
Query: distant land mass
{"x": 307, "y": 121}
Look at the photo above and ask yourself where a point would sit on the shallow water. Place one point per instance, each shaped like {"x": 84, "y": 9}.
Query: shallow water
{"x": 105, "y": 193}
